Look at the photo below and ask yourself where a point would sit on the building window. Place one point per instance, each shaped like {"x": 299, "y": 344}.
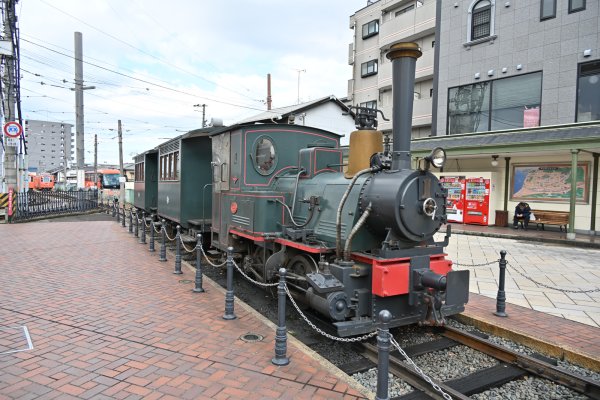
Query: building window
{"x": 370, "y": 29}
{"x": 588, "y": 92}
{"x": 369, "y": 104}
{"x": 576, "y": 5}
{"x": 482, "y": 19}
{"x": 547, "y": 9}
{"x": 506, "y": 103}
{"x": 369, "y": 68}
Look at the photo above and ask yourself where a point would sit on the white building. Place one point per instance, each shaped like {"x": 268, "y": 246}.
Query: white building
{"x": 49, "y": 144}
{"x": 376, "y": 27}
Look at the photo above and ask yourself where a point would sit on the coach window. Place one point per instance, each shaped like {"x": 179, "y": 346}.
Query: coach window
{"x": 265, "y": 157}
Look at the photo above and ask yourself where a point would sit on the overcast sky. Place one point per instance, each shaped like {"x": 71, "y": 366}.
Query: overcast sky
{"x": 151, "y": 61}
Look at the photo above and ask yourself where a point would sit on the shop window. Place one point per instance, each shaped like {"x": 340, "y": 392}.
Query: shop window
{"x": 370, "y": 29}
{"x": 506, "y": 103}
{"x": 588, "y": 92}
{"x": 369, "y": 68}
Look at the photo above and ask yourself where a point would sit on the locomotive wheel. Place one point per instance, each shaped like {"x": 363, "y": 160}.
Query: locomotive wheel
{"x": 299, "y": 266}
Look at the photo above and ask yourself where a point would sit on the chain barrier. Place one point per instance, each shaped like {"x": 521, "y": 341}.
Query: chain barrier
{"x": 167, "y": 235}
{"x": 320, "y": 331}
{"x": 419, "y": 370}
{"x": 210, "y": 262}
{"x": 184, "y": 246}
{"x": 551, "y": 287}
{"x": 252, "y": 280}
{"x": 157, "y": 230}
{"x": 477, "y": 265}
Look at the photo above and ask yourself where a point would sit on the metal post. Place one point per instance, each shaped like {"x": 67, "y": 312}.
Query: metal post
{"x": 198, "y": 280}
{"x": 229, "y": 294}
{"x": 281, "y": 333}
{"x": 123, "y": 220}
{"x": 501, "y": 298}
{"x": 114, "y": 206}
{"x": 178, "y": 252}
{"x": 143, "y": 237}
{"x": 136, "y": 231}
{"x": 383, "y": 355}
{"x": 131, "y": 220}
{"x": 163, "y": 244}
{"x": 151, "y": 249}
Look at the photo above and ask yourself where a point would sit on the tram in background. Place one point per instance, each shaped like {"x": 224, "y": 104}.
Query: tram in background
{"x": 104, "y": 180}
{"x": 41, "y": 181}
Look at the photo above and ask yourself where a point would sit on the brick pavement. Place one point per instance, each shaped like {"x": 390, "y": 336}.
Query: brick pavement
{"x": 107, "y": 320}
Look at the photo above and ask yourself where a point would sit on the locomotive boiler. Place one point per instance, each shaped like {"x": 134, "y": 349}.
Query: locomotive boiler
{"x": 353, "y": 243}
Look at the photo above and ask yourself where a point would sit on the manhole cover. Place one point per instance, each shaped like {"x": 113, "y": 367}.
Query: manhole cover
{"x": 252, "y": 337}
{"x": 186, "y": 281}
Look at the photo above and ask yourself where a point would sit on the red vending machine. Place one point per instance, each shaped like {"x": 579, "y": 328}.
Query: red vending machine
{"x": 455, "y": 202}
{"x": 477, "y": 201}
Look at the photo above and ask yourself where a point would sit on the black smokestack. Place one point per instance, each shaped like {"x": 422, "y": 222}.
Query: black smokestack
{"x": 404, "y": 58}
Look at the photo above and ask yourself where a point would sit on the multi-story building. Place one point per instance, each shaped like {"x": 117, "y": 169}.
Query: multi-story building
{"x": 49, "y": 144}
{"x": 517, "y": 64}
{"x": 378, "y": 26}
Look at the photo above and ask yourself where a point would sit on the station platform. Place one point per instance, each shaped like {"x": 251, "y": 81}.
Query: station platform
{"x": 107, "y": 320}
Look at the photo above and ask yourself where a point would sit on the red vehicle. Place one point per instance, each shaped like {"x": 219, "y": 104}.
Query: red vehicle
{"x": 41, "y": 182}
{"x": 104, "y": 180}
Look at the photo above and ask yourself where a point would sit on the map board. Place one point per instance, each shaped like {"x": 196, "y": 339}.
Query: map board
{"x": 548, "y": 182}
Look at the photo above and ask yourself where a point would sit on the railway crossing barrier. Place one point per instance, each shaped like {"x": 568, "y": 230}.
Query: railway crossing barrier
{"x": 198, "y": 278}
{"x": 178, "y": 252}
{"x": 383, "y": 355}
{"x": 229, "y": 315}
{"x": 281, "y": 358}
{"x": 163, "y": 244}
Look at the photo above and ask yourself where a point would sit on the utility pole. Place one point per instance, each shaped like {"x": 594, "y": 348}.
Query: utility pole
{"x": 269, "y": 91}
{"x": 79, "y": 88}
{"x": 122, "y": 177}
{"x": 299, "y": 70}
{"x": 95, "y": 158}
{"x": 64, "y": 140}
{"x": 203, "y": 113}
{"x": 8, "y": 82}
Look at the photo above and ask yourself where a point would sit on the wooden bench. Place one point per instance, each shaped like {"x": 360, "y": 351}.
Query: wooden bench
{"x": 544, "y": 217}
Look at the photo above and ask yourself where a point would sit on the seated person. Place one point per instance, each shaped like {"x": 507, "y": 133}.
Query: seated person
{"x": 522, "y": 213}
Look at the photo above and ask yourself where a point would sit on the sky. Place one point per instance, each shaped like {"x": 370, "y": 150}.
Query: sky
{"x": 152, "y": 61}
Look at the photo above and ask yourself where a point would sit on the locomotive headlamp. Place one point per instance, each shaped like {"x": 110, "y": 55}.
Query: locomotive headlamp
{"x": 437, "y": 157}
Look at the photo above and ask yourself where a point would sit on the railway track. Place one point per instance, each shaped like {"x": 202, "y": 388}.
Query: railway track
{"x": 511, "y": 366}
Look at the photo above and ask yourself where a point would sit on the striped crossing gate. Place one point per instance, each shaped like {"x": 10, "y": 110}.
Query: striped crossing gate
{"x": 8, "y": 206}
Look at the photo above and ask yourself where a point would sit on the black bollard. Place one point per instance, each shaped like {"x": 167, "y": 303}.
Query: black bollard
{"x": 113, "y": 209}
{"x": 178, "y": 252}
{"x": 123, "y": 220}
{"x": 131, "y": 220}
{"x": 116, "y": 213}
{"x": 383, "y": 355}
{"x": 136, "y": 231}
{"x": 163, "y": 243}
{"x": 281, "y": 333}
{"x": 151, "y": 249}
{"x": 229, "y": 294}
{"x": 198, "y": 280}
{"x": 501, "y": 297}
{"x": 143, "y": 237}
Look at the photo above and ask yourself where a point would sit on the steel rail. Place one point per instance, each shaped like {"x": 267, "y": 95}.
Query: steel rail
{"x": 530, "y": 364}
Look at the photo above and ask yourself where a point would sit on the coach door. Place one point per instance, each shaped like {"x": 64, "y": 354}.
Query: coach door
{"x": 221, "y": 146}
